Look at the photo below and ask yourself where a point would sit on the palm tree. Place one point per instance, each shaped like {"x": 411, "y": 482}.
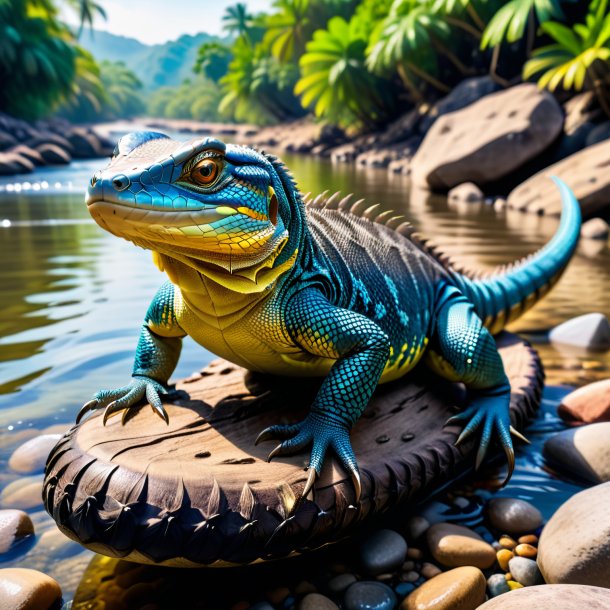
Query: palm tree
{"x": 87, "y": 11}
{"x": 213, "y": 60}
{"x": 578, "y": 56}
{"x": 289, "y": 29}
{"x": 335, "y": 79}
{"x": 237, "y": 20}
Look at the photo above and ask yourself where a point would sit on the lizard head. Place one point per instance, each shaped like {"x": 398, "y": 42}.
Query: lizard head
{"x": 218, "y": 207}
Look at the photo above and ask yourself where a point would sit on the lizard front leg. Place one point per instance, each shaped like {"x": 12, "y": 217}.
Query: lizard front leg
{"x": 361, "y": 349}
{"x": 157, "y": 354}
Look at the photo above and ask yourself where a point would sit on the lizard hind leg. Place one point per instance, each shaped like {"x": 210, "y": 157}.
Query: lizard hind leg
{"x": 464, "y": 350}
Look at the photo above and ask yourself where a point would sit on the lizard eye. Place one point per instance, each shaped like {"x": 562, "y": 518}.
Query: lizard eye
{"x": 206, "y": 171}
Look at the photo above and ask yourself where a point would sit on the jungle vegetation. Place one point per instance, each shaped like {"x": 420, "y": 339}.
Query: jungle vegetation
{"x": 353, "y": 63}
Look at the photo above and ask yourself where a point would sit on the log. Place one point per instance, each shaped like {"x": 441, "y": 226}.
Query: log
{"x": 198, "y": 492}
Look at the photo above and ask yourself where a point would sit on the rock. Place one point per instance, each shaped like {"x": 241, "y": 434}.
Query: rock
{"x": 383, "y": 551}
{"x": 496, "y": 585}
{"x": 14, "y": 526}
{"x": 574, "y": 546}
{"x": 400, "y": 166}
{"x": 488, "y": 139}
{"x": 53, "y": 154}
{"x": 380, "y": 156}
{"x": 598, "y": 134}
{"x": 58, "y": 545}
{"x": 468, "y": 192}
{"x": 85, "y": 145}
{"x": 24, "y": 493}
{"x": 528, "y": 539}
{"x": 346, "y": 153}
{"x": 458, "y": 589}
{"x": 7, "y": 141}
{"x": 596, "y": 228}
{"x": 513, "y": 584}
{"x": 455, "y": 545}
{"x": 464, "y": 94}
{"x": 581, "y": 452}
{"x": 416, "y": 526}
{"x": 513, "y": 516}
{"x": 23, "y": 589}
{"x": 42, "y": 139}
{"x": 413, "y": 553}
{"x": 580, "y": 109}
{"x": 31, "y": 457}
{"x": 340, "y": 583}
{"x": 504, "y": 556}
{"x": 588, "y": 404}
{"x": 315, "y": 601}
{"x": 525, "y": 571}
{"x": 369, "y": 594}
{"x": 507, "y": 542}
{"x": 410, "y": 576}
{"x": 12, "y": 163}
{"x": 585, "y": 172}
{"x": 429, "y": 570}
{"x": 552, "y": 597}
{"x": 402, "y": 129}
{"x": 526, "y": 550}
{"x": 590, "y": 331}
{"x": 28, "y": 153}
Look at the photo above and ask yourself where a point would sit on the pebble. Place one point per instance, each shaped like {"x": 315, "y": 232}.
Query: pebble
{"x": 504, "y": 556}
{"x": 526, "y": 550}
{"x": 454, "y": 545}
{"x": 528, "y": 539}
{"x": 369, "y": 595}
{"x": 24, "y": 589}
{"x": 513, "y": 584}
{"x": 589, "y": 404}
{"x": 339, "y": 583}
{"x": 416, "y": 527}
{"x": 508, "y": 576}
{"x": 458, "y": 589}
{"x": 414, "y": 553}
{"x": 429, "y": 570}
{"x": 58, "y": 545}
{"x": 507, "y": 542}
{"x": 24, "y": 493}
{"x": 525, "y": 571}
{"x": 574, "y": 546}
{"x": 404, "y": 588}
{"x": 408, "y": 565}
{"x": 315, "y": 601}
{"x": 411, "y": 576}
{"x": 31, "y": 457}
{"x": 305, "y": 587}
{"x": 496, "y": 585}
{"x": 277, "y": 596}
{"x": 14, "y": 526}
{"x": 513, "y": 515}
{"x": 591, "y": 331}
{"x": 467, "y": 192}
{"x": 595, "y": 228}
{"x": 383, "y": 551}
{"x": 552, "y": 597}
{"x": 583, "y": 452}
{"x": 261, "y": 606}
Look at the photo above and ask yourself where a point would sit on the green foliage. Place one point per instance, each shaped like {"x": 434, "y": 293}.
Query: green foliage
{"x": 213, "y": 60}
{"x": 335, "y": 80}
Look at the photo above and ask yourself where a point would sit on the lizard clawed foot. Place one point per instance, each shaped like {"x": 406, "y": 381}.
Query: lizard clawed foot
{"x": 491, "y": 413}
{"x": 125, "y": 398}
{"x": 322, "y": 434}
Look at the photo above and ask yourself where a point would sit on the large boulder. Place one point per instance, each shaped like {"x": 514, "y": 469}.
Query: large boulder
{"x": 24, "y": 589}
{"x": 590, "y": 331}
{"x": 574, "y": 546}
{"x": 7, "y": 141}
{"x": 85, "y": 145}
{"x": 585, "y": 172}
{"x": 551, "y": 597}
{"x": 12, "y": 163}
{"x": 488, "y": 139}
{"x": 53, "y": 154}
{"x": 29, "y": 153}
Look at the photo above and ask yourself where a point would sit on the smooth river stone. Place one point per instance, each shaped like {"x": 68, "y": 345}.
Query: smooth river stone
{"x": 23, "y": 589}
{"x": 31, "y": 457}
{"x": 590, "y": 331}
{"x": 582, "y": 452}
{"x": 14, "y": 525}
{"x": 315, "y": 601}
{"x": 497, "y": 585}
{"x": 458, "y": 589}
{"x": 455, "y": 545}
{"x": 589, "y": 404}
{"x": 574, "y": 546}
{"x": 24, "y": 493}
{"x": 513, "y": 516}
{"x": 383, "y": 551}
{"x": 552, "y": 597}
{"x": 368, "y": 595}
{"x": 525, "y": 571}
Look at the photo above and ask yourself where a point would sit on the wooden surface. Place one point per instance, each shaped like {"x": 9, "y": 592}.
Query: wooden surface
{"x": 198, "y": 492}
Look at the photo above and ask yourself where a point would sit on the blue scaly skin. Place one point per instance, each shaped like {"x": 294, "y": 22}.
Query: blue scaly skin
{"x": 323, "y": 288}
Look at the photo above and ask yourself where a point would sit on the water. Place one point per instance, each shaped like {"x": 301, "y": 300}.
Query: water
{"x": 74, "y": 298}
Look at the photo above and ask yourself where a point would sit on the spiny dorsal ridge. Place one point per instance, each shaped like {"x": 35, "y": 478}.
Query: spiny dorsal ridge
{"x": 332, "y": 203}
{"x": 371, "y": 212}
{"x": 384, "y": 217}
{"x": 358, "y": 207}
{"x": 345, "y": 203}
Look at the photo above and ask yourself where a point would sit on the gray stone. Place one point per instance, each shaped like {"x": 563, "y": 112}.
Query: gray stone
{"x": 28, "y": 153}
{"x": 574, "y": 546}
{"x": 340, "y": 583}
{"x": 31, "y": 457}
{"x": 7, "y": 141}
{"x": 552, "y": 597}
{"x": 53, "y": 154}
{"x": 596, "y": 228}
{"x": 14, "y": 526}
{"x": 497, "y": 585}
{"x": 585, "y": 172}
{"x": 582, "y": 452}
{"x": 590, "y": 331}
{"x": 525, "y": 571}
{"x": 23, "y": 589}
{"x": 416, "y": 526}
{"x": 315, "y": 601}
{"x": 24, "y": 493}
{"x": 383, "y": 551}
{"x": 85, "y": 145}
{"x": 513, "y": 516}
{"x": 468, "y": 192}
{"x": 488, "y": 139}
{"x": 367, "y": 595}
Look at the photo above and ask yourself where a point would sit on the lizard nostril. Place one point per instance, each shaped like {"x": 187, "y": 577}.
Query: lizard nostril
{"x": 120, "y": 182}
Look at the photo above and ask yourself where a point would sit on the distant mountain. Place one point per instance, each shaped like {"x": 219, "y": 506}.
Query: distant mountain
{"x": 157, "y": 65}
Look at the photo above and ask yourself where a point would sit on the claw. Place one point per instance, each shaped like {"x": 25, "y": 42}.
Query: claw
{"x": 161, "y": 412}
{"x": 275, "y": 452}
{"x": 357, "y": 485}
{"x": 311, "y": 479}
{"x": 480, "y": 456}
{"x": 520, "y": 436}
{"x": 464, "y": 434}
{"x": 265, "y": 435}
{"x": 88, "y": 406}
{"x": 510, "y": 458}
{"x": 111, "y": 409}
{"x": 455, "y": 419}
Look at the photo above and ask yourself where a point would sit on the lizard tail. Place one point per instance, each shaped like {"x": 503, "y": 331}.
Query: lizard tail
{"x": 508, "y": 293}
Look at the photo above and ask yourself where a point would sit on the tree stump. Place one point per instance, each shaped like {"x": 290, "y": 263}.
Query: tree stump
{"x": 198, "y": 492}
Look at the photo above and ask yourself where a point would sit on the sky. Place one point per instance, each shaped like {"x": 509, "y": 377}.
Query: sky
{"x": 155, "y": 21}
